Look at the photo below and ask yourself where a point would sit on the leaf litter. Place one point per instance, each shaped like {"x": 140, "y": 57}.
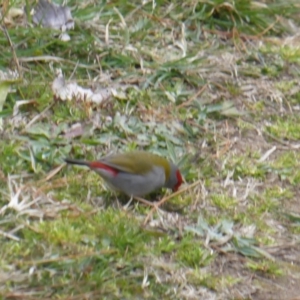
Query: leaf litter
{"x": 233, "y": 87}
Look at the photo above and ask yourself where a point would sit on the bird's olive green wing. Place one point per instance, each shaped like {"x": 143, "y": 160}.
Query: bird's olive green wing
{"x": 137, "y": 162}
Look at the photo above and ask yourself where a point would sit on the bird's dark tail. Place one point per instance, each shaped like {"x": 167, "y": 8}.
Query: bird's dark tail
{"x": 77, "y": 162}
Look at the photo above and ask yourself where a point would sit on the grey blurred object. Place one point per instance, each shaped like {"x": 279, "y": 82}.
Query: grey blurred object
{"x": 51, "y": 15}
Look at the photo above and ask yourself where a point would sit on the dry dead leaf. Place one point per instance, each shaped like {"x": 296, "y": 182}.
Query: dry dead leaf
{"x": 69, "y": 91}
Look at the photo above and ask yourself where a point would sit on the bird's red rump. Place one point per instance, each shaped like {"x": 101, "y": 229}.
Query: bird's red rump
{"x": 100, "y": 165}
{"x": 179, "y": 180}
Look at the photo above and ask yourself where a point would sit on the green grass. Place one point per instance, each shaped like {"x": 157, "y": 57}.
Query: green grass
{"x": 212, "y": 85}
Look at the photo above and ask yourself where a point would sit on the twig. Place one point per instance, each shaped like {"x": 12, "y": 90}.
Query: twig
{"x": 37, "y": 117}
{"x": 144, "y": 201}
{"x": 46, "y": 58}
{"x": 192, "y": 98}
{"x": 53, "y": 173}
{"x": 62, "y": 258}
{"x": 16, "y": 60}
{"x": 163, "y": 200}
{"x": 267, "y": 154}
{"x": 289, "y": 145}
{"x": 8, "y": 235}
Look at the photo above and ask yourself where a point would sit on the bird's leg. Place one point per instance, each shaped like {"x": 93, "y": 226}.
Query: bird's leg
{"x": 128, "y": 203}
{"x": 119, "y": 202}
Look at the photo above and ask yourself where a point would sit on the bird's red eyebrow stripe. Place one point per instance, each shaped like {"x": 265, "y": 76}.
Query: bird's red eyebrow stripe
{"x": 99, "y": 165}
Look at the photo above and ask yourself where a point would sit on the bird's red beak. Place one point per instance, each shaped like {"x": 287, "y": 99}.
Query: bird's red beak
{"x": 179, "y": 181}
